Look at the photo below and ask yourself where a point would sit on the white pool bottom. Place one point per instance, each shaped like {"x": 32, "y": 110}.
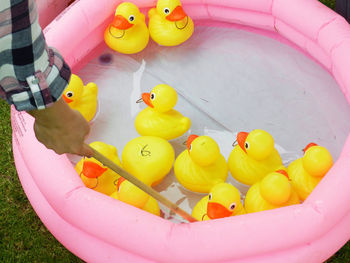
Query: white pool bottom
{"x": 228, "y": 80}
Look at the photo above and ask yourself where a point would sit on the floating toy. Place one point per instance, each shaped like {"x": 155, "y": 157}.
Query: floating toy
{"x": 273, "y": 191}
{"x": 223, "y": 200}
{"x": 132, "y": 195}
{"x": 307, "y": 171}
{"x": 201, "y": 165}
{"x": 128, "y": 32}
{"x": 148, "y": 158}
{"x": 310, "y": 232}
{"x": 169, "y": 25}
{"x": 95, "y": 175}
{"x": 81, "y": 98}
{"x": 159, "y": 118}
{"x": 254, "y": 157}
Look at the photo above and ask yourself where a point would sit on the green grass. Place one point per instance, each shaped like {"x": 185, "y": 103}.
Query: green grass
{"x": 329, "y": 3}
{"x": 23, "y": 238}
{"x": 342, "y": 256}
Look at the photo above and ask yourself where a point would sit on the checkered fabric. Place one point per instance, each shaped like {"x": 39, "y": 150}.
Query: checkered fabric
{"x": 32, "y": 75}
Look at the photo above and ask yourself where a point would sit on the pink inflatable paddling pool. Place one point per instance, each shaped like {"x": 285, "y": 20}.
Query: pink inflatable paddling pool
{"x": 98, "y": 228}
{"x": 49, "y": 9}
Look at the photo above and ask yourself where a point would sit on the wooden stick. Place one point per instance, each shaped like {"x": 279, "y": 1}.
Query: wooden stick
{"x": 147, "y": 189}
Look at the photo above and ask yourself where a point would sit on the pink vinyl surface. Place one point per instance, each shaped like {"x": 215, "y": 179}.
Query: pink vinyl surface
{"x": 310, "y": 232}
{"x": 49, "y": 9}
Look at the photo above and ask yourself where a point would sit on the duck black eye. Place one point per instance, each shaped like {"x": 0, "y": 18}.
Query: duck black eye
{"x": 246, "y": 145}
{"x": 131, "y": 18}
{"x": 153, "y": 96}
{"x": 210, "y": 196}
{"x": 69, "y": 94}
{"x": 166, "y": 10}
{"x": 232, "y": 206}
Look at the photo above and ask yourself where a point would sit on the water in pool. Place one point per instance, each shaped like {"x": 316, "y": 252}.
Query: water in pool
{"x": 228, "y": 80}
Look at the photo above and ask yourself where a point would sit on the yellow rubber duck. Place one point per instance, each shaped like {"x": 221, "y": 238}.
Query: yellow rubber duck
{"x": 81, "y": 98}
{"x": 169, "y": 25}
{"x": 132, "y": 195}
{"x": 148, "y": 158}
{"x": 128, "y": 32}
{"x": 159, "y": 118}
{"x": 201, "y": 166}
{"x": 224, "y": 200}
{"x": 94, "y": 174}
{"x": 307, "y": 171}
{"x": 273, "y": 191}
{"x": 253, "y": 157}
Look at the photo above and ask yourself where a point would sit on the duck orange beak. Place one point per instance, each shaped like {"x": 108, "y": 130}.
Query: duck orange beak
{"x": 120, "y": 181}
{"x": 241, "y": 138}
{"x": 190, "y": 140}
{"x": 121, "y": 23}
{"x": 92, "y": 170}
{"x": 215, "y": 210}
{"x": 177, "y": 14}
{"x": 68, "y": 100}
{"x": 146, "y": 97}
{"x": 309, "y": 146}
{"x": 283, "y": 172}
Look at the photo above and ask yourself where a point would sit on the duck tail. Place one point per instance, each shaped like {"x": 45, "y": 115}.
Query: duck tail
{"x": 186, "y": 122}
{"x": 143, "y": 17}
{"x": 92, "y": 87}
{"x": 152, "y": 12}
